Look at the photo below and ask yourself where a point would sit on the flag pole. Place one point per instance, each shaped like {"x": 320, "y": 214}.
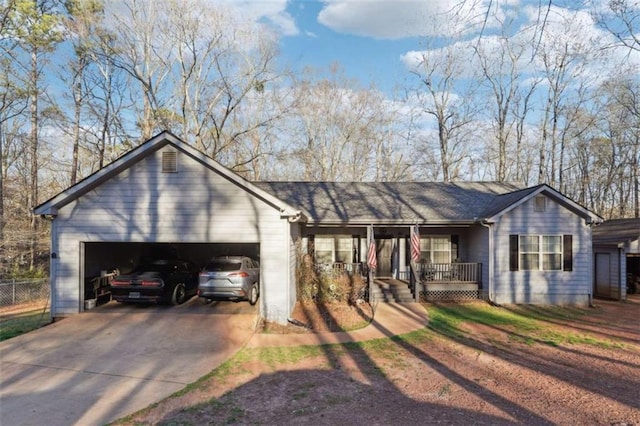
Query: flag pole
{"x": 372, "y": 260}
{"x": 415, "y": 257}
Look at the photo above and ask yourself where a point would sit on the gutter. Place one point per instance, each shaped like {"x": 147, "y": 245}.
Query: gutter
{"x": 485, "y": 223}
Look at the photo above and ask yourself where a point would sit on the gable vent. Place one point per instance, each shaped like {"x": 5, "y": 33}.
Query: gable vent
{"x": 169, "y": 162}
{"x": 540, "y": 203}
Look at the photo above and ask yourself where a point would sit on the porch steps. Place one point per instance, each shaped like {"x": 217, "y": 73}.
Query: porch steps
{"x": 390, "y": 290}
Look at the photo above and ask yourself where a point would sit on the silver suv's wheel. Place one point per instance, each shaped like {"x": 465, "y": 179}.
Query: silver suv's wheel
{"x": 253, "y": 296}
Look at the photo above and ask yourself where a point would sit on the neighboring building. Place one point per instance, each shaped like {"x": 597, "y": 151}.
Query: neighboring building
{"x": 616, "y": 251}
{"x": 164, "y": 198}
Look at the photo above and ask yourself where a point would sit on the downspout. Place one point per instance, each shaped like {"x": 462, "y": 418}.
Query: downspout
{"x": 293, "y": 220}
{"x": 591, "y": 223}
{"x": 487, "y": 224}
{"x": 53, "y": 265}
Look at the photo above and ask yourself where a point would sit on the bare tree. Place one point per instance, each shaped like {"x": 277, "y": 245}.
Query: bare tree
{"x": 440, "y": 71}
{"x": 82, "y": 21}
{"x": 34, "y": 25}
{"x": 621, "y": 19}
{"x": 502, "y": 61}
{"x": 141, "y": 50}
{"x": 566, "y": 60}
{"x": 623, "y": 106}
{"x": 339, "y": 131}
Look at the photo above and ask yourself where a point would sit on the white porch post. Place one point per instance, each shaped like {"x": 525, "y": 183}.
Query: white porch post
{"x": 402, "y": 267}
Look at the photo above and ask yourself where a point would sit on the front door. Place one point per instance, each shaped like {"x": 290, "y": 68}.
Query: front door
{"x": 384, "y": 252}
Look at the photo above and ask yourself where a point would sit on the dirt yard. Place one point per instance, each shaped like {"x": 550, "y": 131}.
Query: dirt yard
{"x": 487, "y": 375}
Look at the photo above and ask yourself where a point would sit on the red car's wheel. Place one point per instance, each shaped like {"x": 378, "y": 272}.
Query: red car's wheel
{"x": 179, "y": 294}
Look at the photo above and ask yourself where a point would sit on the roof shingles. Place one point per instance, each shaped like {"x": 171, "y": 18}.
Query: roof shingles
{"x": 397, "y": 202}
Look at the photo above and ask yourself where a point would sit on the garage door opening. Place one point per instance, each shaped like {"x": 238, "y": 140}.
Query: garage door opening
{"x": 101, "y": 261}
{"x": 633, "y": 273}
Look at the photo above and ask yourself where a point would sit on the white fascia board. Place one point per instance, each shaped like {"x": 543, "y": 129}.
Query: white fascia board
{"x": 555, "y": 195}
{"x": 95, "y": 179}
{"x": 51, "y": 206}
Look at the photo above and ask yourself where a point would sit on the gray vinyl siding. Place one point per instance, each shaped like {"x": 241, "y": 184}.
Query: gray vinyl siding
{"x": 543, "y": 287}
{"x": 617, "y": 271}
{"x": 142, "y": 204}
{"x": 478, "y": 251}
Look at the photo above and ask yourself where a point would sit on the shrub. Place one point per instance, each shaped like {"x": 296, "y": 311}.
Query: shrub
{"x": 327, "y": 286}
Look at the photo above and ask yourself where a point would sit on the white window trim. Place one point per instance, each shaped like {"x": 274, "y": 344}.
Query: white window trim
{"x": 541, "y": 252}
{"x": 334, "y": 248}
{"x": 540, "y": 203}
{"x": 430, "y": 251}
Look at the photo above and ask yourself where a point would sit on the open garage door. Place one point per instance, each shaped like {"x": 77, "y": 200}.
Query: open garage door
{"x": 102, "y": 260}
{"x": 633, "y": 273}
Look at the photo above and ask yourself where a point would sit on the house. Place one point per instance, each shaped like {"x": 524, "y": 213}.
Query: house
{"x": 165, "y": 198}
{"x": 616, "y": 251}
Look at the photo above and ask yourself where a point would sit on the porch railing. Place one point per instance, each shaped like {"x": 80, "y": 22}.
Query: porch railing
{"x": 447, "y": 272}
{"x": 339, "y": 268}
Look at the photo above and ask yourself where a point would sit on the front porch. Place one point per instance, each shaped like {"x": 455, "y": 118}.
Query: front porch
{"x": 446, "y": 281}
{"x": 449, "y": 266}
{"x": 436, "y": 281}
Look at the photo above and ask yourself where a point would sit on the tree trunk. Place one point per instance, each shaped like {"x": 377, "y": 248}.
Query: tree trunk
{"x": 2, "y": 136}
{"x": 77, "y": 99}
{"x": 33, "y": 151}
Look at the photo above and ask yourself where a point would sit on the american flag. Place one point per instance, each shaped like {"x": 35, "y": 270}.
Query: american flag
{"x": 415, "y": 243}
{"x": 372, "y": 259}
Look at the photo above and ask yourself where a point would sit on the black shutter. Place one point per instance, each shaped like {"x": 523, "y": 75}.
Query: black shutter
{"x": 567, "y": 254}
{"x": 513, "y": 252}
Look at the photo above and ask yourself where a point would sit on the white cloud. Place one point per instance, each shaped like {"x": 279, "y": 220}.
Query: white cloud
{"x": 457, "y": 59}
{"x": 271, "y": 11}
{"x": 385, "y": 19}
{"x": 564, "y": 32}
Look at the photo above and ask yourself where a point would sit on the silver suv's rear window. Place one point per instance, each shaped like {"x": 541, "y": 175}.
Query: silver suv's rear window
{"x": 222, "y": 265}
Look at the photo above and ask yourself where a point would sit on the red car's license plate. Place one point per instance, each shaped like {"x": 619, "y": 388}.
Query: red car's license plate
{"x": 134, "y": 295}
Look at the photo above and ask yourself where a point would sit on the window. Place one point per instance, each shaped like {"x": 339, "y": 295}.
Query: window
{"x": 551, "y": 253}
{"x": 324, "y": 249}
{"x": 435, "y": 249}
{"x": 540, "y": 252}
{"x": 540, "y": 203}
{"x": 334, "y": 248}
{"x": 529, "y": 252}
{"x": 169, "y": 162}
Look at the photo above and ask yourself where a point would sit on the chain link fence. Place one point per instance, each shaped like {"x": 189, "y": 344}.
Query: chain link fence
{"x": 23, "y": 291}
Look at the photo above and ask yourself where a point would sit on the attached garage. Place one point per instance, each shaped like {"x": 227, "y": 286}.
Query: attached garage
{"x": 166, "y": 197}
{"x": 100, "y": 260}
{"x": 616, "y": 251}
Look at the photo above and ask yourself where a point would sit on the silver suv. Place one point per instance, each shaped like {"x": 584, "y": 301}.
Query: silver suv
{"x": 230, "y": 277}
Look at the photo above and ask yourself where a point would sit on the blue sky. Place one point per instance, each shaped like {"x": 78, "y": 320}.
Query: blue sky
{"x": 369, "y": 38}
{"x": 370, "y": 60}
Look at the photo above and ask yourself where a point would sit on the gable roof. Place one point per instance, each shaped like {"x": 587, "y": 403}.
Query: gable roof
{"x": 344, "y": 203}
{"x": 507, "y": 202}
{"x": 389, "y": 202}
{"x": 51, "y": 206}
{"x": 617, "y": 231}
{"x": 424, "y": 203}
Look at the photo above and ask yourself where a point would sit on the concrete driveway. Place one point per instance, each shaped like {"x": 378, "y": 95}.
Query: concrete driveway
{"x": 98, "y": 366}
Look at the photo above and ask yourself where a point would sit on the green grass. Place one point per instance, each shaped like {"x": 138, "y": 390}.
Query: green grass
{"x": 526, "y": 324}
{"x": 23, "y": 322}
